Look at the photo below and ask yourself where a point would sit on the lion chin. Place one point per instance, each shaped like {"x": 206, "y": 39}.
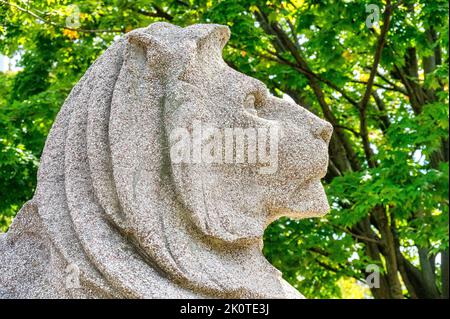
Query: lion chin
{"x": 117, "y": 215}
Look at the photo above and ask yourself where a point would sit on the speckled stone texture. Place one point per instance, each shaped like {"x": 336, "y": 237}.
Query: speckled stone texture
{"x": 111, "y": 203}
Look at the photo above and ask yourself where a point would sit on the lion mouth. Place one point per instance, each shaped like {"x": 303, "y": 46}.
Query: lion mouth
{"x": 322, "y": 161}
{"x": 308, "y": 200}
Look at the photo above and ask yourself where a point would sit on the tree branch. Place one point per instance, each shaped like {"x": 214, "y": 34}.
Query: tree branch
{"x": 387, "y": 88}
{"x": 385, "y": 122}
{"x": 161, "y": 13}
{"x": 356, "y": 133}
{"x": 49, "y": 22}
{"x": 158, "y": 14}
{"x": 277, "y": 58}
{"x": 366, "y": 97}
{"x": 363, "y": 238}
{"x": 395, "y": 86}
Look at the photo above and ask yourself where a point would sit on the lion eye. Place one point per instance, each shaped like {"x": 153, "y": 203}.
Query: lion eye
{"x": 249, "y": 104}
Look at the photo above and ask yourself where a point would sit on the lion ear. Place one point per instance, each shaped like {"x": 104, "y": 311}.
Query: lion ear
{"x": 214, "y": 36}
{"x": 156, "y": 53}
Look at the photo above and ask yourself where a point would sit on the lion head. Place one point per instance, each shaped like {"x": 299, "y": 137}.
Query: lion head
{"x": 124, "y": 194}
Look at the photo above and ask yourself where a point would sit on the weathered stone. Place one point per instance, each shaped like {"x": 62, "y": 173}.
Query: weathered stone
{"x": 114, "y": 215}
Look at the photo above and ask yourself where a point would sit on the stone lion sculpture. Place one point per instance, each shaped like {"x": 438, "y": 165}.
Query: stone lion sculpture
{"x": 114, "y": 217}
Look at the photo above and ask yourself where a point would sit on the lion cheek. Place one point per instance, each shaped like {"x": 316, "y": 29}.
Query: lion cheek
{"x": 227, "y": 224}
{"x": 220, "y": 211}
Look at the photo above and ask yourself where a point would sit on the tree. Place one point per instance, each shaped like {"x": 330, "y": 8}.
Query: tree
{"x": 383, "y": 87}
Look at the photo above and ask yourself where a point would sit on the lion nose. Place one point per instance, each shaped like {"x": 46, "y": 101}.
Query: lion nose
{"x": 322, "y": 129}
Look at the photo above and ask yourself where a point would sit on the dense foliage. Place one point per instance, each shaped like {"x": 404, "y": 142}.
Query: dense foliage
{"x": 384, "y": 87}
